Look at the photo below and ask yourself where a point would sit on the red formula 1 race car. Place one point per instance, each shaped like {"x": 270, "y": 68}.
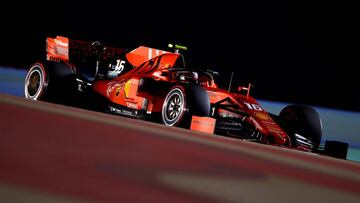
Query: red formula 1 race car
{"x": 154, "y": 84}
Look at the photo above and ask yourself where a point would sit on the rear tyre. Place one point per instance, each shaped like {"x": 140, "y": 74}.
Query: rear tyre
{"x": 36, "y": 82}
{"x": 50, "y": 81}
{"x": 304, "y": 121}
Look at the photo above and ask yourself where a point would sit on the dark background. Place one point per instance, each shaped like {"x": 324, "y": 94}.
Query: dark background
{"x": 293, "y": 52}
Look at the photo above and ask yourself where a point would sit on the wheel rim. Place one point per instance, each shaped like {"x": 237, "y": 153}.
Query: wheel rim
{"x": 173, "y": 107}
{"x": 34, "y": 83}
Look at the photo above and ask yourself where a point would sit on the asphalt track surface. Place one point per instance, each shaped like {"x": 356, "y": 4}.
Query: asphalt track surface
{"x": 55, "y": 153}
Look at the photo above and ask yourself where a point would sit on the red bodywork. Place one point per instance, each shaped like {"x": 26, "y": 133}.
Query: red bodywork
{"x": 147, "y": 63}
{"x": 155, "y": 64}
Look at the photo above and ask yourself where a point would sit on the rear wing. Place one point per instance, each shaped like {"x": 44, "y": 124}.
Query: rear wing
{"x": 65, "y": 49}
{"x": 76, "y": 51}
{"x": 57, "y": 48}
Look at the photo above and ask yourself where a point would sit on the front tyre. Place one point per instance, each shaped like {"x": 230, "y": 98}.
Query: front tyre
{"x": 304, "y": 121}
{"x": 174, "y": 107}
{"x": 36, "y": 82}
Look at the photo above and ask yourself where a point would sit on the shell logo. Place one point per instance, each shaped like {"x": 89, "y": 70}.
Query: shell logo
{"x": 127, "y": 88}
